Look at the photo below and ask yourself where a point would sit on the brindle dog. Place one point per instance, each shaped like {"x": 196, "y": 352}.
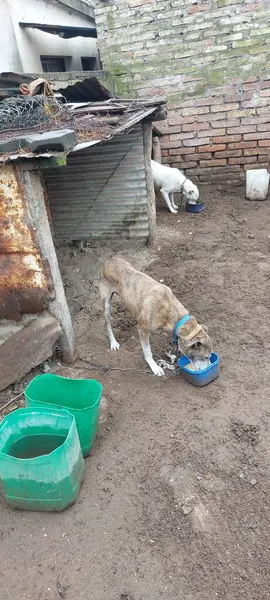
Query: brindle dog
{"x": 154, "y": 307}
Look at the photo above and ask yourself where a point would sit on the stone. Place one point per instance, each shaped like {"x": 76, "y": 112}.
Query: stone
{"x": 187, "y": 509}
{"x": 104, "y": 410}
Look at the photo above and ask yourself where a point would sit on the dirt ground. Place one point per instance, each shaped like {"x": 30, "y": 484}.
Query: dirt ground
{"x": 175, "y": 502}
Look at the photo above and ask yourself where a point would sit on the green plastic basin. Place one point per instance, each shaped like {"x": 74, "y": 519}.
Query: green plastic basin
{"x": 80, "y": 397}
{"x": 41, "y": 462}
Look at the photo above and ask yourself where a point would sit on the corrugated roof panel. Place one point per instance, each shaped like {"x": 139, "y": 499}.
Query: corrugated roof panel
{"x": 101, "y": 191}
{"x": 90, "y": 90}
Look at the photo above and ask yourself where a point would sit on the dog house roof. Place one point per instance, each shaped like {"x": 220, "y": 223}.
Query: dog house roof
{"x": 91, "y": 122}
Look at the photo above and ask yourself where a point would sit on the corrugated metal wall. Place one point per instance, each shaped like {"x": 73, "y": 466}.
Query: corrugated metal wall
{"x": 101, "y": 191}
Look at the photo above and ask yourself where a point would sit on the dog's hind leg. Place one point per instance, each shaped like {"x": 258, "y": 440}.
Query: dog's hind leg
{"x": 106, "y": 294}
{"x": 144, "y": 338}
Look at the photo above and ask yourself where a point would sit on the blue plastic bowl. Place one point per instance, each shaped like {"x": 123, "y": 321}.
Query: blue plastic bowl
{"x": 195, "y": 208}
{"x": 200, "y": 378}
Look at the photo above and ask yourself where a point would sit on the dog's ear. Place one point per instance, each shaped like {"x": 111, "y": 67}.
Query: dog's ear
{"x": 189, "y": 343}
{"x": 199, "y": 338}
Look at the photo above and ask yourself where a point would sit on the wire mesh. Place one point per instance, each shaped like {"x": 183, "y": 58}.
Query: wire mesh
{"x": 24, "y": 112}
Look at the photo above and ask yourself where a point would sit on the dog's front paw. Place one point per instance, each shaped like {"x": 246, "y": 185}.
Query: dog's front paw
{"x": 157, "y": 370}
{"x": 174, "y": 211}
{"x": 115, "y": 345}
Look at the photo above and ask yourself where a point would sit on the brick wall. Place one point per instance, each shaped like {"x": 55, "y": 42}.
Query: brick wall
{"x": 219, "y": 136}
{"x": 211, "y": 58}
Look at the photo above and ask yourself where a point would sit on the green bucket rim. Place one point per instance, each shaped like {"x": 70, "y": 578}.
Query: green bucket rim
{"x": 24, "y": 411}
{"x": 66, "y": 408}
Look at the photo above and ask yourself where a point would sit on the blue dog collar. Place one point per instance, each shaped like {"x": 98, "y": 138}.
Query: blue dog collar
{"x": 182, "y": 321}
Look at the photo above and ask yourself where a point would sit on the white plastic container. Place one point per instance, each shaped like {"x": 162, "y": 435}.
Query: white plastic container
{"x": 257, "y": 182}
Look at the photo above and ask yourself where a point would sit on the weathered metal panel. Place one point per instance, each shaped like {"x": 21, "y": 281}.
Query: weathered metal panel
{"x": 22, "y": 280}
{"x": 101, "y": 191}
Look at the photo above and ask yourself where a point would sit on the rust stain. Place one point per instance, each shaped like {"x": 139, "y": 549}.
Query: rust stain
{"x": 23, "y": 284}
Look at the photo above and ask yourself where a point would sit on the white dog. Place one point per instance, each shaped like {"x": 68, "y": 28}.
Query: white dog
{"x": 168, "y": 181}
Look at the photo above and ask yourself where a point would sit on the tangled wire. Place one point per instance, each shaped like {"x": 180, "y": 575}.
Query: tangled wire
{"x": 24, "y": 112}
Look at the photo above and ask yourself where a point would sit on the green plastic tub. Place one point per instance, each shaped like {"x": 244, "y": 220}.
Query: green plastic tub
{"x": 80, "y": 397}
{"x": 41, "y": 462}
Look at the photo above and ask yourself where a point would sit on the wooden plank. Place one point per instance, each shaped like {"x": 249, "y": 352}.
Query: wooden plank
{"x": 108, "y": 109}
{"x": 28, "y": 348}
{"x": 58, "y": 305}
{"x": 156, "y": 149}
{"x": 151, "y": 198}
{"x": 156, "y": 130}
{"x": 133, "y": 120}
{"x": 156, "y": 101}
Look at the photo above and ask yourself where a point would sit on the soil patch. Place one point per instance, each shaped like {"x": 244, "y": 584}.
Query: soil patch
{"x": 175, "y": 502}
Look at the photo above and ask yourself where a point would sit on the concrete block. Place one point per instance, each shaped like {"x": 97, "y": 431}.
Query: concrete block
{"x": 28, "y": 348}
{"x": 59, "y": 141}
{"x": 12, "y": 145}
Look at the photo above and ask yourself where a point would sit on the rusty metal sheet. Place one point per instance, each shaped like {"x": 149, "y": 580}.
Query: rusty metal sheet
{"x": 23, "y": 284}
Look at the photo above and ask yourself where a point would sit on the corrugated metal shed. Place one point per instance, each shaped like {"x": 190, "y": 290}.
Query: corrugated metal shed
{"x": 101, "y": 191}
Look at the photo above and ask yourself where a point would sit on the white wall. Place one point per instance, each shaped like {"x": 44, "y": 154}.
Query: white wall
{"x": 9, "y": 55}
{"x": 32, "y": 43}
